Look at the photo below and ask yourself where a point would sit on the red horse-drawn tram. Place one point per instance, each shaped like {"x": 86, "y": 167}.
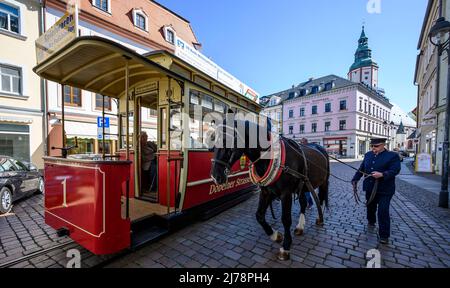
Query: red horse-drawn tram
{"x": 100, "y": 203}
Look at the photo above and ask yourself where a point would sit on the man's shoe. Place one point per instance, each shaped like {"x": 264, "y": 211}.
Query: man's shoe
{"x": 384, "y": 240}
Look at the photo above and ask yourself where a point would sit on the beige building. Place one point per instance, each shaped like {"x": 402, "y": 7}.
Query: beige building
{"x": 21, "y": 110}
{"x": 141, "y": 25}
{"x": 431, "y": 80}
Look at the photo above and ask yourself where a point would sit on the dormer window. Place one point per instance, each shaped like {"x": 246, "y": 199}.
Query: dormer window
{"x": 169, "y": 34}
{"x": 140, "y": 19}
{"x": 104, "y": 5}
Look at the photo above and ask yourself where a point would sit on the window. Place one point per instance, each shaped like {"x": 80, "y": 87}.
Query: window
{"x": 314, "y": 110}
{"x": 314, "y": 127}
{"x": 302, "y": 112}
{"x": 11, "y": 81}
{"x": 102, "y": 4}
{"x": 360, "y": 105}
{"x": 99, "y": 102}
{"x": 140, "y": 21}
{"x": 302, "y": 128}
{"x": 72, "y": 96}
{"x": 343, "y": 105}
{"x": 291, "y": 113}
{"x": 315, "y": 90}
{"x": 327, "y": 107}
{"x": 170, "y": 36}
{"x": 342, "y": 125}
{"x": 291, "y": 95}
{"x": 291, "y": 130}
{"x": 200, "y": 126}
{"x": 9, "y": 18}
{"x": 327, "y": 126}
{"x": 15, "y": 141}
{"x": 365, "y": 107}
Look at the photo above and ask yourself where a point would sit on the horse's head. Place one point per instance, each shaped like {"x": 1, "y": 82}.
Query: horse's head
{"x": 226, "y": 153}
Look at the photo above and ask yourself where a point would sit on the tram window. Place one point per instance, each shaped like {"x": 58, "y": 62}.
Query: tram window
{"x": 204, "y": 113}
{"x": 219, "y": 106}
{"x": 163, "y": 121}
{"x": 207, "y": 102}
{"x": 176, "y": 129}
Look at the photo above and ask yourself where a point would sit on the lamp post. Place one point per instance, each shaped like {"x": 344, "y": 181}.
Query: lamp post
{"x": 441, "y": 30}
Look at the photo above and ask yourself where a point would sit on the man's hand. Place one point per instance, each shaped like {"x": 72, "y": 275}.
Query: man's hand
{"x": 377, "y": 175}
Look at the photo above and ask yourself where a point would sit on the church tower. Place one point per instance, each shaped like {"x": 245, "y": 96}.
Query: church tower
{"x": 364, "y": 69}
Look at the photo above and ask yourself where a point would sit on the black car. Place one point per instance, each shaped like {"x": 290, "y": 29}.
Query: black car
{"x": 17, "y": 180}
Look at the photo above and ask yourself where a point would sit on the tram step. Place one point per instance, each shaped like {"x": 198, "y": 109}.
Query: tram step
{"x": 144, "y": 236}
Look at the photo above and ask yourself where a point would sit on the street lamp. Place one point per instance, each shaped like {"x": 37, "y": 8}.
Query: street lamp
{"x": 439, "y": 31}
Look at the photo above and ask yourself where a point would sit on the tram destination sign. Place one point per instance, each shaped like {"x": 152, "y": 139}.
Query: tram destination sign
{"x": 57, "y": 36}
{"x": 189, "y": 54}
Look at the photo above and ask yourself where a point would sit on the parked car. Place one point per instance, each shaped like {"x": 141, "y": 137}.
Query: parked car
{"x": 17, "y": 180}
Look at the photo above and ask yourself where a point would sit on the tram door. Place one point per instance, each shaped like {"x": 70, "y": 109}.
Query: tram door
{"x": 170, "y": 138}
{"x": 145, "y": 104}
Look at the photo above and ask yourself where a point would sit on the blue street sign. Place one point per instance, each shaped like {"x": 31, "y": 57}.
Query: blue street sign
{"x": 100, "y": 122}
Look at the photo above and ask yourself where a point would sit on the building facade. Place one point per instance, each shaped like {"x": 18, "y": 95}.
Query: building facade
{"x": 336, "y": 113}
{"x": 402, "y": 127}
{"x": 141, "y": 25}
{"x": 431, "y": 81}
{"x": 273, "y": 109}
{"x": 339, "y": 114}
{"x": 21, "y": 108}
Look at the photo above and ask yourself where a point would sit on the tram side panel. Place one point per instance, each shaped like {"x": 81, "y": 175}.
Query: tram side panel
{"x": 200, "y": 187}
{"x": 85, "y": 199}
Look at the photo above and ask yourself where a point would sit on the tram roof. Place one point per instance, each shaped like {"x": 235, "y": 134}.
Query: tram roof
{"x": 98, "y": 65}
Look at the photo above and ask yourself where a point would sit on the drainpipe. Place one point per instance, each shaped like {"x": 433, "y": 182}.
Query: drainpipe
{"x": 44, "y": 107}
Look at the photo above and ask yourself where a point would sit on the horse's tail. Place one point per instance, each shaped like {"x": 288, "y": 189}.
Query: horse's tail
{"x": 323, "y": 189}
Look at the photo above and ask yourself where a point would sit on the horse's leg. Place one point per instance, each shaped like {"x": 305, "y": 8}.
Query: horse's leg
{"x": 319, "y": 221}
{"x": 323, "y": 194}
{"x": 301, "y": 220}
{"x": 286, "y": 218}
{"x": 264, "y": 201}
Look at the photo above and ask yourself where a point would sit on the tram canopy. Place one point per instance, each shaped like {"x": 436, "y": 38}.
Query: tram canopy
{"x": 99, "y": 65}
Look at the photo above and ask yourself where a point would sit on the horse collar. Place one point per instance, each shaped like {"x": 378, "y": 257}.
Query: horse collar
{"x": 275, "y": 168}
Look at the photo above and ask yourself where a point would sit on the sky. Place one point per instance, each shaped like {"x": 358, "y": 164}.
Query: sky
{"x": 271, "y": 45}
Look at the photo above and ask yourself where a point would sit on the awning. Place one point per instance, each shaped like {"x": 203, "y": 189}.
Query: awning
{"x": 17, "y": 120}
{"x": 98, "y": 65}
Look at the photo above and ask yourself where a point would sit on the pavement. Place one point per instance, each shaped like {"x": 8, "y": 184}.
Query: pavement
{"x": 420, "y": 233}
{"x": 419, "y": 238}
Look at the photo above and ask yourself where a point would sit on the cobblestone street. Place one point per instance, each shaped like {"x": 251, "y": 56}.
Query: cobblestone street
{"x": 420, "y": 233}
{"x": 234, "y": 239}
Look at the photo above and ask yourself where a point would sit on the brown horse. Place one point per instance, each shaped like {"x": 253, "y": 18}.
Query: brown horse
{"x": 306, "y": 167}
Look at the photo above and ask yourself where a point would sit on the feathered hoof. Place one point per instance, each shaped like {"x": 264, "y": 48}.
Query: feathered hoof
{"x": 319, "y": 222}
{"x": 298, "y": 232}
{"x": 283, "y": 255}
{"x": 279, "y": 237}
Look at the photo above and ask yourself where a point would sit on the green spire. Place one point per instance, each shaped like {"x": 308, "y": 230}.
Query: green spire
{"x": 401, "y": 128}
{"x": 363, "y": 55}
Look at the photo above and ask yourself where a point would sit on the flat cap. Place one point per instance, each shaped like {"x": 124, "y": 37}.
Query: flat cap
{"x": 375, "y": 141}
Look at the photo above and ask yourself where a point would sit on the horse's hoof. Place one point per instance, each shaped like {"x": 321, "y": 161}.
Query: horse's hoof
{"x": 298, "y": 232}
{"x": 319, "y": 222}
{"x": 283, "y": 255}
{"x": 279, "y": 237}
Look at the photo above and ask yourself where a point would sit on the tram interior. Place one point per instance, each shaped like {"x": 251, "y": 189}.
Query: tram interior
{"x": 145, "y": 202}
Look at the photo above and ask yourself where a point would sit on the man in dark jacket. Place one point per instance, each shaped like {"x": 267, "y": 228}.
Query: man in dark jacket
{"x": 381, "y": 165}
